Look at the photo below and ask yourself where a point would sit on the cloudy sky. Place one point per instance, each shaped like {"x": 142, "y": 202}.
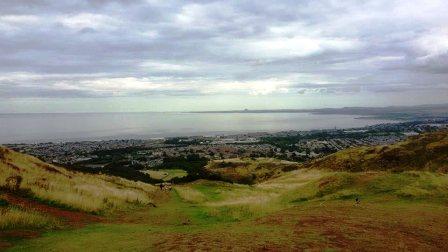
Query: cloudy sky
{"x": 151, "y": 55}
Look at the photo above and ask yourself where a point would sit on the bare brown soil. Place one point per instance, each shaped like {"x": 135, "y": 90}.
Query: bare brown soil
{"x": 72, "y": 218}
{"x": 340, "y": 227}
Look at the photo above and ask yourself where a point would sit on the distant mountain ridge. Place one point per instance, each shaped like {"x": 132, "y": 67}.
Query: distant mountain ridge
{"x": 397, "y": 112}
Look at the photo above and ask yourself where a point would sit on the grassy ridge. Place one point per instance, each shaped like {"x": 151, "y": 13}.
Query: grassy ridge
{"x": 233, "y": 201}
{"x": 427, "y": 152}
{"x": 21, "y": 173}
{"x": 248, "y": 171}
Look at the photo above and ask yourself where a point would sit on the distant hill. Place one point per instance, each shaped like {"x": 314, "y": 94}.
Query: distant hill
{"x": 28, "y": 176}
{"x": 427, "y": 152}
{"x": 392, "y": 112}
{"x": 248, "y": 171}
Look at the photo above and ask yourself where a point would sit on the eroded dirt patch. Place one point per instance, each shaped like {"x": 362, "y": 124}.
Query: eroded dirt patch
{"x": 72, "y": 218}
{"x": 369, "y": 227}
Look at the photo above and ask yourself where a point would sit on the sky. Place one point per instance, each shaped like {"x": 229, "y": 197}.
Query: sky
{"x": 168, "y": 55}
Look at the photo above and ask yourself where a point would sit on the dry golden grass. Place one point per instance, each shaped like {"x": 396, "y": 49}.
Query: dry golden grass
{"x": 236, "y": 201}
{"x": 427, "y": 152}
{"x": 15, "y": 218}
{"x": 91, "y": 193}
{"x": 248, "y": 171}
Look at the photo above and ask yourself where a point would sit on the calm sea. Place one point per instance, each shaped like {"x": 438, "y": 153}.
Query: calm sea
{"x": 18, "y": 128}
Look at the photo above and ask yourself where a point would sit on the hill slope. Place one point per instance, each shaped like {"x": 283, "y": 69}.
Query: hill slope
{"x": 302, "y": 209}
{"x": 427, "y": 152}
{"x": 248, "y": 171}
{"x": 27, "y": 175}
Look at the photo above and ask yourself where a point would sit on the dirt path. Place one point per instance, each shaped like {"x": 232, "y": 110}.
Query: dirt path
{"x": 72, "y": 218}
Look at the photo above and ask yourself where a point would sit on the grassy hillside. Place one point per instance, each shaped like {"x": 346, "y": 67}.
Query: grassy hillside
{"x": 248, "y": 171}
{"x": 26, "y": 175}
{"x": 402, "y": 206}
{"x": 234, "y": 201}
{"x": 302, "y": 209}
{"x": 425, "y": 152}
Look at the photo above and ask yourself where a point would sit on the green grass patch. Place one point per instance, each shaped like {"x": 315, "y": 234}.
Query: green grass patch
{"x": 334, "y": 183}
{"x": 166, "y": 174}
{"x": 212, "y": 192}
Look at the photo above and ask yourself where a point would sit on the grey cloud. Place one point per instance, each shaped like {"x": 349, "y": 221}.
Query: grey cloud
{"x": 42, "y": 92}
{"x": 78, "y": 39}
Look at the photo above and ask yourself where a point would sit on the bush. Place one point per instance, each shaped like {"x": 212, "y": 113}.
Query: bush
{"x": 3, "y": 203}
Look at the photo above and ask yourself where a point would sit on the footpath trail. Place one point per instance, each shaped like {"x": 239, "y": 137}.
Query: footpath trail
{"x": 71, "y": 218}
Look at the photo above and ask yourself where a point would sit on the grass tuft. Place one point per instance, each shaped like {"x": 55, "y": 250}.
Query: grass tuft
{"x": 16, "y": 218}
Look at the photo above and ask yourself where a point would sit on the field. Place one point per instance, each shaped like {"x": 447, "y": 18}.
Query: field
{"x": 249, "y": 171}
{"x": 299, "y": 209}
{"x": 166, "y": 174}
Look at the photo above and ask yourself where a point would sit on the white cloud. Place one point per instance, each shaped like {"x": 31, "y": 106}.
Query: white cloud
{"x": 433, "y": 44}
{"x": 13, "y": 22}
{"x": 167, "y": 67}
{"x": 190, "y": 14}
{"x": 19, "y": 19}
{"x": 257, "y": 87}
{"x": 120, "y": 85}
{"x": 285, "y": 47}
{"x": 266, "y": 86}
{"x": 89, "y": 20}
{"x": 205, "y": 16}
